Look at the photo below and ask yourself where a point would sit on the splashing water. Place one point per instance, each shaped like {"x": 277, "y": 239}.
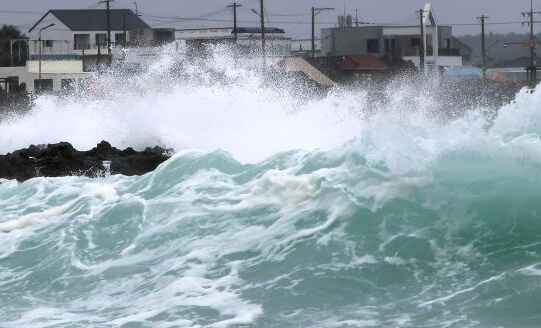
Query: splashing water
{"x": 293, "y": 212}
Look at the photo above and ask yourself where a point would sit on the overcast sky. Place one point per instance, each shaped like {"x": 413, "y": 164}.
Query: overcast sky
{"x": 291, "y": 15}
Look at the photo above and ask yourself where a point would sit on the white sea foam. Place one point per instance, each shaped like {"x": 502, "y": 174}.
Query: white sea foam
{"x": 34, "y": 218}
{"x": 192, "y": 245}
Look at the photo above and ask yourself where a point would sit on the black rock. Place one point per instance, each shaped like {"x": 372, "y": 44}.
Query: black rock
{"x": 62, "y": 159}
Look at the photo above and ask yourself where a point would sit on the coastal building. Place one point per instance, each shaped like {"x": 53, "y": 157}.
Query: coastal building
{"x": 84, "y": 31}
{"x": 74, "y": 42}
{"x": 406, "y": 42}
{"x": 247, "y": 39}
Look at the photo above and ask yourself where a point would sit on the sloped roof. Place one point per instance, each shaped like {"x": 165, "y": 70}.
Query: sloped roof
{"x": 297, "y": 64}
{"x": 368, "y": 62}
{"x": 96, "y": 19}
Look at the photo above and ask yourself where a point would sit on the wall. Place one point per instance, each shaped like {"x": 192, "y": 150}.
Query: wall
{"x": 56, "y": 66}
{"x": 63, "y": 38}
{"x": 347, "y": 41}
{"x": 56, "y": 71}
{"x": 441, "y": 60}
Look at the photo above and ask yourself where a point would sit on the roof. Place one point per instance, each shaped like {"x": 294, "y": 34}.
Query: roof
{"x": 96, "y": 19}
{"x": 254, "y": 30}
{"x": 297, "y": 64}
{"x": 462, "y": 44}
{"x": 361, "y": 62}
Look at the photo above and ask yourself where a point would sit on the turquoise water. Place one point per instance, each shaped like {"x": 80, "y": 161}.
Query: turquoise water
{"x": 405, "y": 222}
{"x": 300, "y": 240}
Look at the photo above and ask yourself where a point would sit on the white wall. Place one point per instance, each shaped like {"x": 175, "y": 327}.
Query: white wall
{"x": 56, "y": 71}
{"x": 63, "y": 38}
{"x": 440, "y": 61}
{"x": 55, "y": 66}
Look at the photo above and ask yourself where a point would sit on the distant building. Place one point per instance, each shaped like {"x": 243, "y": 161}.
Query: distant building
{"x": 248, "y": 39}
{"x": 395, "y": 41}
{"x": 85, "y": 31}
{"x": 76, "y": 44}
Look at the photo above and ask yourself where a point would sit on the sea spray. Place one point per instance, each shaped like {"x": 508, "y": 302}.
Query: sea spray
{"x": 327, "y": 214}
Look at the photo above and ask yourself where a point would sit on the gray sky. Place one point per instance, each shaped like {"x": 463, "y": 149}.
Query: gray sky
{"x": 291, "y": 15}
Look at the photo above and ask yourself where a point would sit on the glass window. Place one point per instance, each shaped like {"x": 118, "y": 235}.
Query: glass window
{"x": 67, "y": 84}
{"x": 119, "y": 39}
{"x": 101, "y": 39}
{"x": 48, "y": 43}
{"x": 81, "y": 41}
{"x": 46, "y": 85}
{"x": 372, "y": 45}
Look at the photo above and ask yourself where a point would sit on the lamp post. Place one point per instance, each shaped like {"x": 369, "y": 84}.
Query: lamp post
{"x": 261, "y": 15}
{"x": 40, "y": 46}
{"x": 315, "y": 12}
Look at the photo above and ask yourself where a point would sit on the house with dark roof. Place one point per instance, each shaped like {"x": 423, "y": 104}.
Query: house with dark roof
{"x": 84, "y": 31}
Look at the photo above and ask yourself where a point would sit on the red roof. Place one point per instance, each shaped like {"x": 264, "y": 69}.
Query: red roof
{"x": 367, "y": 62}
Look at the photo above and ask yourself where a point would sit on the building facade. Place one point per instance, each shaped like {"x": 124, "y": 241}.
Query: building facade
{"x": 247, "y": 39}
{"x": 74, "y": 42}
{"x": 406, "y": 42}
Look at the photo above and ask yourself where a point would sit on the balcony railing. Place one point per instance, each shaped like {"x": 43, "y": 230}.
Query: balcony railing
{"x": 415, "y": 51}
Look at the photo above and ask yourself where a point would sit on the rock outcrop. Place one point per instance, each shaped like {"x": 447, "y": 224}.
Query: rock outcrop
{"x": 62, "y": 159}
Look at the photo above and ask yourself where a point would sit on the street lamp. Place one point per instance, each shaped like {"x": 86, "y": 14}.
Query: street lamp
{"x": 261, "y": 15}
{"x": 40, "y": 46}
{"x": 315, "y": 12}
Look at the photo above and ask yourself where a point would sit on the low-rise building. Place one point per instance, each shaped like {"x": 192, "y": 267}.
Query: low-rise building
{"x": 74, "y": 42}
{"x": 84, "y": 31}
{"x": 406, "y": 42}
{"x": 247, "y": 38}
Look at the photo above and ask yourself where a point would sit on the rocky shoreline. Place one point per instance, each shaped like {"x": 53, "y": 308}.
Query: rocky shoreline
{"x": 61, "y": 159}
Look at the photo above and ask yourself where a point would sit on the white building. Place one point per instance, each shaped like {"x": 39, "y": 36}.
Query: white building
{"x": 248, "y": 38}
{"x": 81, "y": 31}
{"x": 74, "y": 42}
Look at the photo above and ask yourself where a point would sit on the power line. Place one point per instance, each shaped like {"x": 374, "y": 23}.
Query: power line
{"x": 21, "y": 12}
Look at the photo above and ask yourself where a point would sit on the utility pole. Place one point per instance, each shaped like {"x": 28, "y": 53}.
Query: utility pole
{"x": 108, "y": 3}
{"x": 315, "y": 12}
{"x": 422, "y": 43}
{"x": 124, "y": 28}
{"x": 483, "y": 45}
{"x": 533, "y": 65}
{"x": 40, "y": 52}
{"x": 234, "y": 6}
{"x": 356, "y": 17}
{"x": 532, "y": 68}
{"x": 262, "y": 16}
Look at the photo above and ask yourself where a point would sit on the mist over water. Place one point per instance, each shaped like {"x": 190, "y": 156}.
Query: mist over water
{"x": 280, "y": 208}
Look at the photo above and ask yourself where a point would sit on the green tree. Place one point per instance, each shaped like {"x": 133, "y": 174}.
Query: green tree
{"x": 8, "y": 33}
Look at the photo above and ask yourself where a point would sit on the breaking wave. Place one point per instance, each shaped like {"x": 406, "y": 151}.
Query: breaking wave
{"x": 279, "y": 209}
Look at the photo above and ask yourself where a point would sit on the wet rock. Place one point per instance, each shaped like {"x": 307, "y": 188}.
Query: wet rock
{"x": 62, "y": 159}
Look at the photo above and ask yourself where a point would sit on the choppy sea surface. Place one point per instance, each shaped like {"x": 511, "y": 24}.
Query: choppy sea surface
{"x": 276, "y": 210}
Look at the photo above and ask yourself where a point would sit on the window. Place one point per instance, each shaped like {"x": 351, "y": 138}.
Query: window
{"x": 48, "y": 43}
{"x": 389, "y": 45}
{"x": 81, "y": 41}
{"x": 415, "y": 42}
{"x": 119, "y": 39}
{"x": 46, "y": 85}
{"x": 101, "y": 39}
{"x": 372, "y": 45}
{"x": 447, "y": 43}
{"x": 67, "y": 84}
